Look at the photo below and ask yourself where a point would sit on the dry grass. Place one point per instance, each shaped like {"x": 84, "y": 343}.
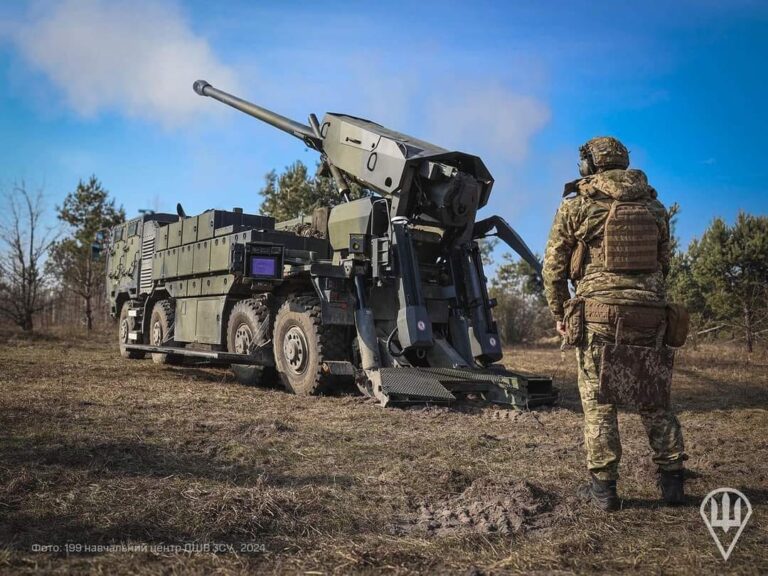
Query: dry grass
{"x": 99, "y": 450}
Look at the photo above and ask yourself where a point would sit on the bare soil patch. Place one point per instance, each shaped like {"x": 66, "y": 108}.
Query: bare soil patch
{"x": 487, "y": 506}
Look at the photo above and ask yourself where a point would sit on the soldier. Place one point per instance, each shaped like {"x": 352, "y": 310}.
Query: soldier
{"x": 610, "y": 238}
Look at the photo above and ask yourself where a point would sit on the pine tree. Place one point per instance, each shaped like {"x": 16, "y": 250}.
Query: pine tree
{"x": 521, "y": 311}
{"x": 294, "y": 193}
{"x": 86, "y": 211}
{"x": 730, "y": 267}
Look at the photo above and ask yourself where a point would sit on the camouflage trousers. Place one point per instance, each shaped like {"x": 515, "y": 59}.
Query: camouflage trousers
{"x": 601, "y": 427}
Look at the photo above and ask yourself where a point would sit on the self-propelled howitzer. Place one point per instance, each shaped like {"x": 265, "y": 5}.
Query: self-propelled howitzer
{"x": 397, "y": 300}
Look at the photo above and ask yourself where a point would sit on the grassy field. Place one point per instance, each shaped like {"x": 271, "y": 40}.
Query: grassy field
{"x": 100, "y": 451}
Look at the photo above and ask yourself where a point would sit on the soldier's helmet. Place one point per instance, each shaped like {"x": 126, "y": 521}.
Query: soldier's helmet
{"x": 602, "y": 153}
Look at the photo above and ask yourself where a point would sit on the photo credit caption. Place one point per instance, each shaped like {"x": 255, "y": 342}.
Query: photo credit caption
{"x": 187, "y": 548}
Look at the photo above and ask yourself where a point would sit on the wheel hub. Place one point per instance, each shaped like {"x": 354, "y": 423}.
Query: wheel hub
{"x": 296, "y": 350}
{"x": 243, "y": 339}
{"x": 124, "y": 330}
{"x": 157, "y": 334}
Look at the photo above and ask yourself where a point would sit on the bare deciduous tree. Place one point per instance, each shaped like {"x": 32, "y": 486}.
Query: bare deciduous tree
{"x": 24, "y": 244}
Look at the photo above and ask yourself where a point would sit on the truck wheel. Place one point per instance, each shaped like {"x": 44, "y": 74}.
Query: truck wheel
{"x": 161, "y": 326}
{"x": 124, "y": 326}
{"x": 302, "y": 344}
{"x": 245, "y": 330}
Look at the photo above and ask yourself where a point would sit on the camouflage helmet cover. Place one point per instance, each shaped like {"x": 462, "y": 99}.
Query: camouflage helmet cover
{"x": 602, "y": 153}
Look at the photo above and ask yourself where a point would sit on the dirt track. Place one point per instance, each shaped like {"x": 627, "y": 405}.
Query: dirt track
{"x": 96, "y": 450}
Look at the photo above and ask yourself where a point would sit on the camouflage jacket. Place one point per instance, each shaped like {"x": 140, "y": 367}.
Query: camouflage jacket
{"x": 582, "y": 217}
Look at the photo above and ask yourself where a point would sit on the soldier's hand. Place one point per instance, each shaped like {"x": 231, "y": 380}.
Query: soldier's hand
{"x": 560, "y": 327}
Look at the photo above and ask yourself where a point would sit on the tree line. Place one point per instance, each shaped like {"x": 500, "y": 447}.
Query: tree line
{"x": 42, "y": 264}
{"x": 722, "y": 277}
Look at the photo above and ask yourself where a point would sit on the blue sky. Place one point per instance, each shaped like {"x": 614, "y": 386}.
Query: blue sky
{"x": 105, "y": 87}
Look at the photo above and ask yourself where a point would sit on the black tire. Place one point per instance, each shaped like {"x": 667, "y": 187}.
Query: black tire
{"x": 161, "y": 327}
{"x": 246, "y": 329}
{"x": 301, "y": 345}
{"x": 125, "y": 325}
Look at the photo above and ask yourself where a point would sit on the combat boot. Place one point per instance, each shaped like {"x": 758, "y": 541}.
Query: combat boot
{"x": 602, "y": 493}
{"x": 672, "y": 487}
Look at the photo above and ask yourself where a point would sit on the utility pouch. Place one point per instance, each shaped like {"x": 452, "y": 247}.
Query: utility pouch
{"x": 578, "y": 260}
{"x": 573, "y": 318}
{"x": 677, "y": 325}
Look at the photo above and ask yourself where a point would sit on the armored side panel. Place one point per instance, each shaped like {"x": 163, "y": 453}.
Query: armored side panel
{"x": 186, "y": 260}
{"x": 177, "y": 288}
{"x": 165, "y": 264}
{"x": 194, "y": 287}
{"x": 220, "y": 253}
{"x": 212, "y": 220}
{"x": 226, "y": 230}
{"x": 161, "y": 238}
{"x": 202, "y": 257}
{"x": 210, "y": 312}
{"x": 350, "y": 218}
{"x": 174, "y": 234}
{"x": 217, "y": 284}
{"x": 355, "y": 217}
{"x": 157, "y": 265}
{"x": 171, "y": 262}
{"x": 199, "y": 319}
{"x": 186, "y": 316}
{"x": 189, "y": 230}
{"x": 206, "y": 224}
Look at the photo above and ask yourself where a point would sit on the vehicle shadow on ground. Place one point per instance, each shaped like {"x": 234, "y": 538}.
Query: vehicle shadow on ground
{"x": 222, "y": 375}
{"x": 710, "y": 393}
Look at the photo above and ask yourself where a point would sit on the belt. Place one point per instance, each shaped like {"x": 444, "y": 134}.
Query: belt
{"x": 638, "y": 316}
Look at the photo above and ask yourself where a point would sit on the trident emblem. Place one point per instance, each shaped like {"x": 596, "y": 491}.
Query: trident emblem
{"x": 725, "y": 513}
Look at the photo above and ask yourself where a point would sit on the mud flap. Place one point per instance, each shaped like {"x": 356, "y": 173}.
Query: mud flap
{"x": 635, "y": 376}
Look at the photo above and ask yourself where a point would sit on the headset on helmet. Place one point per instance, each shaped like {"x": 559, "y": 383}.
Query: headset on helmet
{"x": 602, "y": 153}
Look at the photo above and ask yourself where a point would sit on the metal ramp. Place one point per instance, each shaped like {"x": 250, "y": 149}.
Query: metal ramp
{"x": 405, "y": 385}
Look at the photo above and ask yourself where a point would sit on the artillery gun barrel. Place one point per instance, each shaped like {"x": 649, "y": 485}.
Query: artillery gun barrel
{"x": 297, "y": 129}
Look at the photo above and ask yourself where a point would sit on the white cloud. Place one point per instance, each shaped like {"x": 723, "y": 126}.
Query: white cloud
{"x": 422, "y": 95}
{"x": 492, "y": 120}
{"x": 138, "y": 58}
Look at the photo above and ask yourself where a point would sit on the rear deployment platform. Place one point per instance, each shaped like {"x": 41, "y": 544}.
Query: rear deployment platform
{"x": 408, "y": 385}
